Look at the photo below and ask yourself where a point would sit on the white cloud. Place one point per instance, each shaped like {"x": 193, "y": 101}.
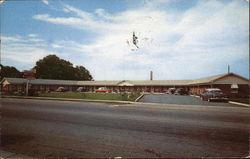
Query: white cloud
{"x": 32, "y": 35}
{"x": 45, "y": 2}
{"x": 11, "y": 39}
{"x": 23, "y": 50}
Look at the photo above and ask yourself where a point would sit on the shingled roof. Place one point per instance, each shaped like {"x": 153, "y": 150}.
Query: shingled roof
{"x": 211, "y": 79}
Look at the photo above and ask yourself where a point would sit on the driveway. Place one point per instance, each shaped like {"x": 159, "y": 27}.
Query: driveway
{"x": 178, "y": 99}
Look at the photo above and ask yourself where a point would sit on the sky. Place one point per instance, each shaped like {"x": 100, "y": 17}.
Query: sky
{"x": 176, "y": 39}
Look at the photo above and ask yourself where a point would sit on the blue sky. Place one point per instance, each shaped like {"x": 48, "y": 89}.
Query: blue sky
{"x": 177, "y": 39}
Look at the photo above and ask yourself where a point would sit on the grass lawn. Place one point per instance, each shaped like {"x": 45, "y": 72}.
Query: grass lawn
{"x": 98, "y": 96}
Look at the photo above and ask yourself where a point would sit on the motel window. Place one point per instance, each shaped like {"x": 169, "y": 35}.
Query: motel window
{"x": 234, "y": 88}
{"x": 19, "y": 87}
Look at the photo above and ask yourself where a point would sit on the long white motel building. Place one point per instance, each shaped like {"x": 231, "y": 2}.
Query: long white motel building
{"x": 231, "y": 84}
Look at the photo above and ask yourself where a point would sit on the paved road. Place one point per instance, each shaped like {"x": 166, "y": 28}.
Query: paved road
{"x": 77, "y": 129}
{"x": 178, "y": 99}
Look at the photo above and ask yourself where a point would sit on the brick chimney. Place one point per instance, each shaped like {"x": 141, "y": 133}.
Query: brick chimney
{"x": 29, "y": 74}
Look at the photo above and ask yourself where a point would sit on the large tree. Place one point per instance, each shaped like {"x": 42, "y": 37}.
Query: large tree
{"x": 52, "y": 67}
{"x": 9, "y": 71}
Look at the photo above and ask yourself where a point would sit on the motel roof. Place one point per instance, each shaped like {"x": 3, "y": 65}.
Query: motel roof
{"x": 212, "y": 79}
{"x": 207, "y": 80}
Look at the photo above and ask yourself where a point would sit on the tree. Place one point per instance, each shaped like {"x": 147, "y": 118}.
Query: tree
{"x": 52, "y": 67}
{"x": 82, "y": 73}
{"x": 9, "y": 71}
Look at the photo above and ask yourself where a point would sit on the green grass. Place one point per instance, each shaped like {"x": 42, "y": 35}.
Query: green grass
{"x": 97, "y": 96}
{"x": 13, "y": 93}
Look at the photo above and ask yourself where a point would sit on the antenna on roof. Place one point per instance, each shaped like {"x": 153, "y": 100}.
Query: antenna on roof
{"x": 228, "y": 69}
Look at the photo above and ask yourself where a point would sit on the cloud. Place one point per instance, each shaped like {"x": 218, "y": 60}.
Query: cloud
{"x": 32, "y": 35}
{"x": 176, "y": 44}
{"x": 23, "y": 50}
{"x": 45, "y": 2}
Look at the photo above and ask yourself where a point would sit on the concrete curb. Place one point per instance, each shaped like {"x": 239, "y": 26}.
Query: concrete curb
{"x": 195, "y": 96}
{"x": 107, "y": 101}
{"x": 137, "y": 99}
{"x": 237, "y": 103}
{"x": 69, "y": 99}
{"x": 231, "y": 102}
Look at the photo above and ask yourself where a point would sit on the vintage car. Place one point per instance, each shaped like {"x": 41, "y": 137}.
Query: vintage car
{"x": 80, "y": 89}
{"x": 102, "y": 90}
{"x": 213, "y": 94}
{"x": 171, "y": 90}
{"x": 180, "y": 91}
{"x": 61, "y": 89}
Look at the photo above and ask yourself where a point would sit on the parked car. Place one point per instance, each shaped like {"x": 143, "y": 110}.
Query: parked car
{"x": 80, "y": 89}
{"x": 102, "y": 90}
{"x": 171, "y": 90}
{"x": 214, "y": 94}
{"x": 32, "y": 92}
{"x": 180, "y": 91}
{"x": 61, "y": 89}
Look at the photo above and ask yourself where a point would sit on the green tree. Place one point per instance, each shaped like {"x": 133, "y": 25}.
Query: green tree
{"x": 52, "y": 67}
{"x": 82, "y": 73}
{"x": 9, "y": 71}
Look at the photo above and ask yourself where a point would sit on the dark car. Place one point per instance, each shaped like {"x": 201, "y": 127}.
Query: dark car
{"x": 180, "y": 91}
{"x": 171, "y": 90}
{"x": 213, "y": 94}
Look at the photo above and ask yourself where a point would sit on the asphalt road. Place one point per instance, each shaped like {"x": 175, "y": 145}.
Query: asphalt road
{"x": 179, "y": 99}
{"x": 77, "y": 129}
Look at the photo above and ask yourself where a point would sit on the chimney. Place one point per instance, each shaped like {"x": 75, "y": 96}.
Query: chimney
{"x": 228, "y": 69}
{"x": 151, "y": 75}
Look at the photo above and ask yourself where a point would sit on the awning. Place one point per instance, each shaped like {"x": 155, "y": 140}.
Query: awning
{"x": 234, "y": 86}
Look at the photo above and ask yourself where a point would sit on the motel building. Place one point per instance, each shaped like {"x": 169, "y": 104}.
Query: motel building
{"x": 231, "y": 84}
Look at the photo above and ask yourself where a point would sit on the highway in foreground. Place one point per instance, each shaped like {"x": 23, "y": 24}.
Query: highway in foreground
{"x": 40, "y": 128}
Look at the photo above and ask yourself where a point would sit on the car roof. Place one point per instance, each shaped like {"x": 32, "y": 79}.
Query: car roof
{"x": 213, "y": 89}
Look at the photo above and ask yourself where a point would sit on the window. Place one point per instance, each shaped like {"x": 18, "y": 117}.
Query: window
{"x": 234, "y": 88}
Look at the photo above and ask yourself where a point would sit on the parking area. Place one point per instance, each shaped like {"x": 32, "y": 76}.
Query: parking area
{"x": 179, "y": 99}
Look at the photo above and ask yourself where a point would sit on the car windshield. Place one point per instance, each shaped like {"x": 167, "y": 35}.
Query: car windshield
{"x": 216, "y": 91}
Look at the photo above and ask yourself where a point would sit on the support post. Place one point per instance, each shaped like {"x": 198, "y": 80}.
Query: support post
{"x": 27, "y": 88}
